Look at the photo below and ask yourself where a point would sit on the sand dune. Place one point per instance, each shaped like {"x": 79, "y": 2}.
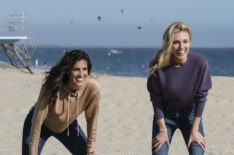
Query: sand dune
{"x": 125, "y": 122}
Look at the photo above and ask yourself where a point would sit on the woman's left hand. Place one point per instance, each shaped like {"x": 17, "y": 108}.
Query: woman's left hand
{"x": 195, "y": 136}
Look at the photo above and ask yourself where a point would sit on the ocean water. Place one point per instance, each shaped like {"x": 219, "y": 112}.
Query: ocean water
{"x": 130, "y": 61}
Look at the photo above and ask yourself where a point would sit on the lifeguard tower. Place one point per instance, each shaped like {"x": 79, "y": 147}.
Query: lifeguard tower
{"x": 12, "y": 40}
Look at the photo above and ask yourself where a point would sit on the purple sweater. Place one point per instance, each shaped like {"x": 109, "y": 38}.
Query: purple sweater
{"x": 180, "y": 86}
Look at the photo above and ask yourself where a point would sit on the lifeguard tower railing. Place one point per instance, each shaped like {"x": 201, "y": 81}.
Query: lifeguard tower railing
{"x": 12, "y": 40}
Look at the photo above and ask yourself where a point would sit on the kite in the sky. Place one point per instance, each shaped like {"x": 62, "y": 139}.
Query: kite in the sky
{"x": 139, "y": 27}
{"x": 99, "y": 18}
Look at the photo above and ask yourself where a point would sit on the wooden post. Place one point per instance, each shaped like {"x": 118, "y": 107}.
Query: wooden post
{"x": 6, "y": 51}
{"x": 21, "y": 59}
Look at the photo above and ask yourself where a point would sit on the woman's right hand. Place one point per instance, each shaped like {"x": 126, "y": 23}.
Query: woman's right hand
{"x": 159, "y": 140}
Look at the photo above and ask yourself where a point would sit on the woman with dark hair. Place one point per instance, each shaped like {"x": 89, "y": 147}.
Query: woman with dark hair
{"x": 67, "y": 91}
{"x": 178, "y": 84}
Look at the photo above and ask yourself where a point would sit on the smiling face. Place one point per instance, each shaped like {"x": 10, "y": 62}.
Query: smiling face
{"x": 180, "y": 47}
{"x": 78, "y": 74}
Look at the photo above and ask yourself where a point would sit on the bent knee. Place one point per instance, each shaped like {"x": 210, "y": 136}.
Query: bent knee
{"x": 162, "y": 151}
{"x": 195, "y": 149}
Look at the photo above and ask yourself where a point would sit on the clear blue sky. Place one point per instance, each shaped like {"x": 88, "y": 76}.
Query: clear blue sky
{"x": 75, "y": 23}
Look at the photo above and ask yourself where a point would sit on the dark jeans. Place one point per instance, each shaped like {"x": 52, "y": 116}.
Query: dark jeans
{"x": 74, "y": 143}
{"x": 181, "y": 118}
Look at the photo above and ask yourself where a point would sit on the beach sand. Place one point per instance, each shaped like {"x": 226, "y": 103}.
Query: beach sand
{"x": 125, "y": 120}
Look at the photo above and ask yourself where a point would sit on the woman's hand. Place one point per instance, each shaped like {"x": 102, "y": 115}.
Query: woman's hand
{"x": 159, "y": 140}
{"x": 91, "y": 153}
{"x": 195, "y": 136}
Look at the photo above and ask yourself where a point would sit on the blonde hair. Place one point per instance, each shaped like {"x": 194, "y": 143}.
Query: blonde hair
{"x": 163, "y": 56}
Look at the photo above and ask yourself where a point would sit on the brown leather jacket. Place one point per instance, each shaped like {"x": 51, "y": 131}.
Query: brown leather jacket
{"x": 66, "y": 109}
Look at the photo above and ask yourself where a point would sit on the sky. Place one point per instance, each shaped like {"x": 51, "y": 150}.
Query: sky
{"x": 75, "y": 22}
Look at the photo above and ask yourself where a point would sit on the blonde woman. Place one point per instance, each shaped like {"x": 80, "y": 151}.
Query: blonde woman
{"x": 178, "y": 86}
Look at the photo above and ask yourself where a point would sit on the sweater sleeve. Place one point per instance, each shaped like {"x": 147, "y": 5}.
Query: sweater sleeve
{"x": 155, "y": 92}
{"x": 39, "y": 115}
{"x": 91, "y": 114}
{"x": 201, "y": 95}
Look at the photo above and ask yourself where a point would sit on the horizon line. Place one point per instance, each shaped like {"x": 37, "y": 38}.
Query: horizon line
{"x": 93, "y": 46}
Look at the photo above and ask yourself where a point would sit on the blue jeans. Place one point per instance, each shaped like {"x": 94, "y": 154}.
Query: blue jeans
{"x": 182, "y": 118}
{"x": 74, "y": 143}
